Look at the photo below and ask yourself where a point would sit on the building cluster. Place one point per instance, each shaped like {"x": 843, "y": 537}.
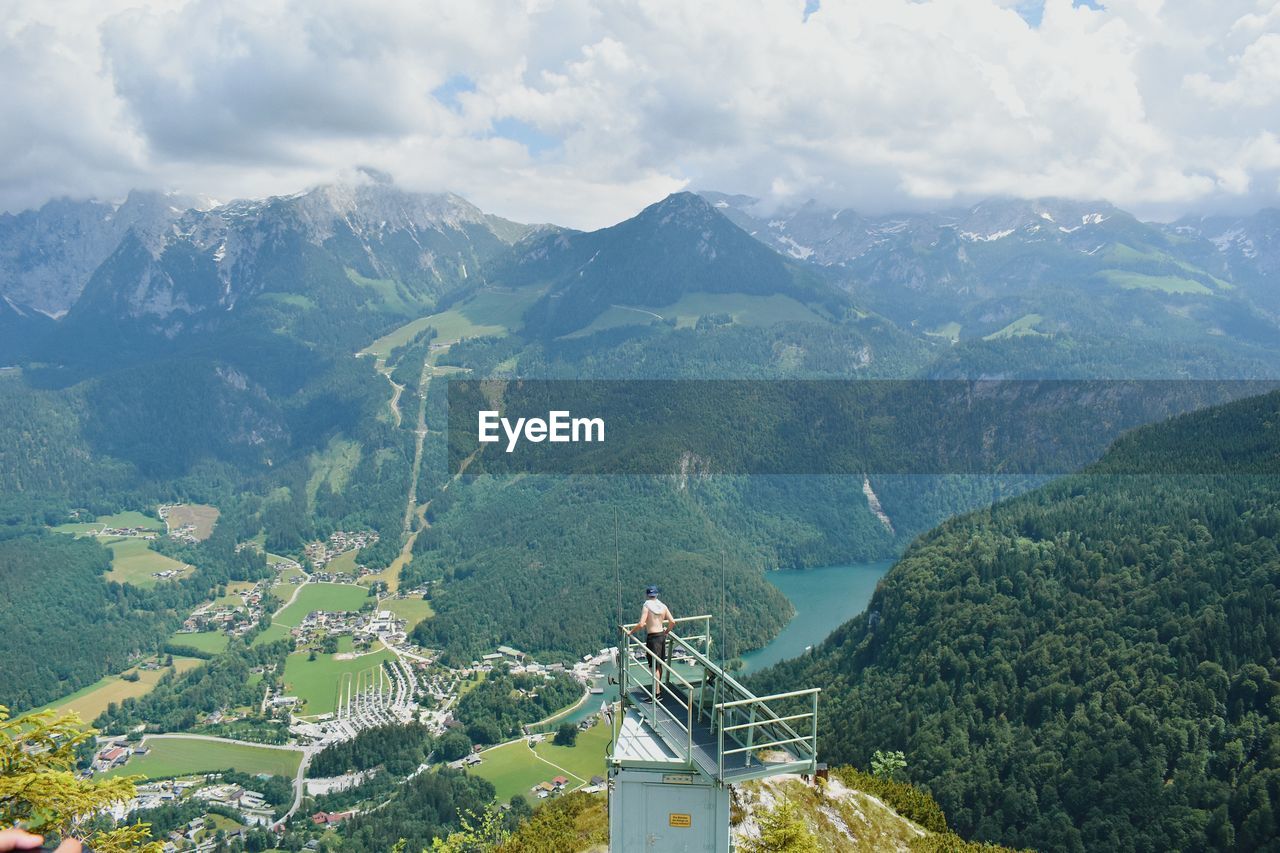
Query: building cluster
{"x": 339, "y": 542}
{"x": 135, "y": 532}
{"x": 199, "y": 834}
{"x": 327, "y": 819}
{"x": 152, "y": 795}
{"x": 321, "y": 623}
{"x": 558, "y": 784}
{"x": 114, "y": 754}
{"x": 233, "y": 619}
{"x": 367, "y": 626}
{"x": 250, "y": 804}
{"x": 182, "y": 533}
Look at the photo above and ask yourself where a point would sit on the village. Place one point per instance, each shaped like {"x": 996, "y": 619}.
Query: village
{"x": 375, "y": 676}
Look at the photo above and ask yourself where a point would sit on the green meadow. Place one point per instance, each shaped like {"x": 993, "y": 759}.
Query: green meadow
{"x": 513, "y": 768}
{"x": 745, "y": 309}
{"x": 180, "y": 756}
{"x": 91, "y": 701}
{"x": 118, "y": 520}
{"x": 490, "y": 312}
{"x": 343, "y": 564}
{"x": 412, "y": 610}
{"x": 1021, "y": 327}
{"x": 1162, "y": 283}
{"x": 133, "y": 562}
{"x": 321, "y": 596}
{"x": 316, "y": 682}
{"x": 272, "y": 633}
{"x": 212, "y": 642}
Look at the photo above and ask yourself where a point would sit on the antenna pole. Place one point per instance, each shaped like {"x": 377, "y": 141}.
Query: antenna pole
{"x": 617, "y": 560}
{"x": 724, "y": 650}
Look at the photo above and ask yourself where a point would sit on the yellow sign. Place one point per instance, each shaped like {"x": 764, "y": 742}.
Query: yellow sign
{"x": 682, "y": 820}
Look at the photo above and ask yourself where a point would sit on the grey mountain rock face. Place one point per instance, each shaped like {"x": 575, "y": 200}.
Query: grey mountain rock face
{"x": 1248, "y": 248}
{"x": 840, "y": 236}
{"x": 1051, "y": 264}
{"x": 48, "y": 255}
{"x": 415, "y": 246}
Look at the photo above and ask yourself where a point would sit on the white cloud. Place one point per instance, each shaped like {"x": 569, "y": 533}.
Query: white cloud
{"x": 1159, "y": 106}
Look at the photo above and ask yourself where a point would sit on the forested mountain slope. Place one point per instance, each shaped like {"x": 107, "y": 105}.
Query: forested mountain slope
{"x": 67, "y": 625}
{"x": 677, "y": 247}
{"x": 1091, "y": 666}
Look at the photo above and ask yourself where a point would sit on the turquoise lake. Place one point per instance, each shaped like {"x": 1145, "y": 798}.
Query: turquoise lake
{"x": 824, "y": 598}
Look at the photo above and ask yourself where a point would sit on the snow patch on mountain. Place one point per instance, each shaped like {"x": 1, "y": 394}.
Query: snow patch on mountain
{"x": 794, "y": 249}
{"x": 986, "y": 238}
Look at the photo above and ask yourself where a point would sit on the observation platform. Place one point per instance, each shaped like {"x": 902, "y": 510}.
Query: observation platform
{"x": 705, "y": 721}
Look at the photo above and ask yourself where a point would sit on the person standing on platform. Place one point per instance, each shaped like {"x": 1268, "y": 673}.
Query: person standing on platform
{"x": 654, "y": 619}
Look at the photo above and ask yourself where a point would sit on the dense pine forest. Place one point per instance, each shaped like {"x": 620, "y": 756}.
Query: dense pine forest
{"x": 397, "y": 748}
{"x": 56, "y": 600}
{"x": 1091, "y": 666}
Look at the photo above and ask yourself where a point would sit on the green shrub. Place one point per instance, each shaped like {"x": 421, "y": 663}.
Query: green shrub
{"x": 576, "y": 821}
{"x": 949, "y": 842}
{"x": 906, "y": 799}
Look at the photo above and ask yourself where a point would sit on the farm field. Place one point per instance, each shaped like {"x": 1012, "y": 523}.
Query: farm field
{"x": 412, "y": 610}
{"x": 317, "y": 682}
{"x": 950, "y": 331}
{"x": 745, "y": 309}
{"x": 513, "y": 768}
{"x": 343, "y": 564}
{"x": 273, "y": 632}
{"x": 283, "y": 586}
{"x": 321, "y": 596}
{"x": 201, "y": 516}
{"x": 585, "y": 758}
{"x": 212, "y": 642}
{"x": 91, "y": 701}
{"x": 1024, "y": 325}
{"x": 78, "y": 528}
{"x": 1162, "y": 283}
{"x": 491, "y": 311}
{"x": 132, "y": 519}
{"x": 232, "y": 598}
{"x": 179, "y": 756}
{"x": 390, "y": 575}
{"x": 133, "y": 562}
{"x": 119, "y": 519}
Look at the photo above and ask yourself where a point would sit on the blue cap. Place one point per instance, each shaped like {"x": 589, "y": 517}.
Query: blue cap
{"x": 651, "y": 591}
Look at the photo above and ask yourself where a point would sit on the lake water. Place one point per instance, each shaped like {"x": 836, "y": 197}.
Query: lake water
{"x": 824, "y": 598}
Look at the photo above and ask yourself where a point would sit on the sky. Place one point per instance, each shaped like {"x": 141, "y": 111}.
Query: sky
{"x": 580, "y": 112}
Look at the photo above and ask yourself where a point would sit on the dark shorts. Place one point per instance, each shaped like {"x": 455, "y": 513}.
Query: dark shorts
{"x": 656, "y": 643}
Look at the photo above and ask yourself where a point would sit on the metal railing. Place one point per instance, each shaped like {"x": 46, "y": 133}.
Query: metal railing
{"x": 729, "y": 708}
{"x": 659, "y": 671}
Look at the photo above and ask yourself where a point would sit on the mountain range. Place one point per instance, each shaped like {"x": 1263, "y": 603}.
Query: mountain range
{"x": 1073, "y": 288}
